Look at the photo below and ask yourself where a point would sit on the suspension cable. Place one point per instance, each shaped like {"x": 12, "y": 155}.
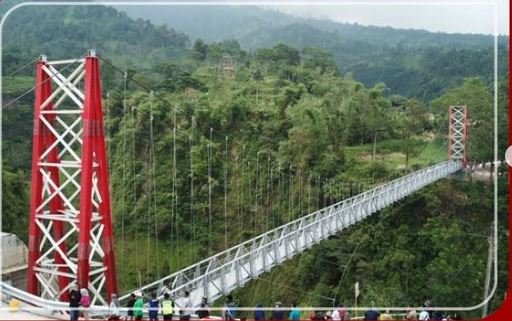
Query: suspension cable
{"x": 318, "y": 191}
{"x": 148, "y": 219}
{"x": 256, "y": 190}
{"x": 226, "y": 194}
{"x": 237, "y": 184}
{"x": 210, "y": 237}
{"x": 248, "y": 190}
{"x": 21, "y": 68}
{"x": 325, "y": 192}
{"x": 192, "y": 216}
{"x": 290, "y": 196}
{"x": 108, "y": 128}
{"x": 268, "y": 208}
{"x": 309, "y": 193}
{"x": 135, "y": 187}
{"x": 299, "y": 173}
{"x": 242, "y": 198}
{"x": 175, "y": 193}
{"x": 279, "y": 193}
{"x": 135, "y": 81}
{"x": 124, "y": 174}
{"x": 153, "y": 177}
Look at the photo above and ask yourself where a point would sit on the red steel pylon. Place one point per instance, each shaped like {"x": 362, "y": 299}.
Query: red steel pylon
{"x": 458, "y": 133}
{"x": 70, "y": 228}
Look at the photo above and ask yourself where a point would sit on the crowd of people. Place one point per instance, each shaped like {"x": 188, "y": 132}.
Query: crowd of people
{"x": 182, "y": 309}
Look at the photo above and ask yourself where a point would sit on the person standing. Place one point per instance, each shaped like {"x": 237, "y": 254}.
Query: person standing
{"x": 336, "y": 315}
{"x": 204, "y": 309}
{"x": 372, "y": 315}
{"x": 342, "y": 313}
{"x": 153, "y": 308}
{"x": 138, "y": 313}
{"x": 74, "y": 303}
{"x": 85, "y": 302}
{"x": 278, "y": 313}
{"x": 167, "y": 307}
{"x": 259, "y": 314}
{"x": 114, "y": 308}
{"x": 129, "y": 305}
{"x": 166, "y": 289}
{"x": 429, "y": 314}
{"x": 319, "y": 316}
{"x": 185, "y": 307}
{"x": 411, "y": 314}
{"x": 295, "y": 313}
{"x": 228, "y": 312}
{"x": 386, "y": 316}
{"x": 424, "y": 315}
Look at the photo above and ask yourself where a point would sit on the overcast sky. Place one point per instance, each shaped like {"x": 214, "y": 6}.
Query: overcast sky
{"x": 453, "y": 16}
{"x": 467, "y": 16}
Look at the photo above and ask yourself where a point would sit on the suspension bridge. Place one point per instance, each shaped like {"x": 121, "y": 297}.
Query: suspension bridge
{"x": 70, "y": 234}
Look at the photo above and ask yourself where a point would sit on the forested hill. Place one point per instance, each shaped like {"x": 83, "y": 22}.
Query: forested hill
{"x": 414, "y": 63}
{"x": 68, "y": 31}
{"x": 235, "y": 22}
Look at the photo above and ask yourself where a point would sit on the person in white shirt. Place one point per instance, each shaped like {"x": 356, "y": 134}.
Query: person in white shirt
{"x": 340, "y": 313}
{"x": 114, "y": 308}
{"x": 424, "y": 315}
{"x": 185, "y": 307}
{"x": 335, "y": 315}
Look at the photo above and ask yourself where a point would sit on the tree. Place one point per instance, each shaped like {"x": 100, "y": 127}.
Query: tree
{"x": 318, "y": 58}
{"x": 15, "y": 200}
{"x": 200, "y": 50}
{"x": 411, "y": 123}
{"x": 286, "y": 55}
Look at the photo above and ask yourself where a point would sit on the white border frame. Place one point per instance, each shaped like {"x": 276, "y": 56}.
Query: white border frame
{"x": 305, "y": 3}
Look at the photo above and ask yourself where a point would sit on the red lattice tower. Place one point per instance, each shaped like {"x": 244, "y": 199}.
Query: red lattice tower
{"x": 458, "y": 133}
{"x": 70, "y": 231}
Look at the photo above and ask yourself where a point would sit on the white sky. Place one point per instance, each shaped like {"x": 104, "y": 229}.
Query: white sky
{"x": 459, "y": 16}
{"x": 452, "y": 16}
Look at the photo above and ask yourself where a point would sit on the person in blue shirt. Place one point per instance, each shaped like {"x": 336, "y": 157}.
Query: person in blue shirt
{"x": 259, "y": 314}
{"x": 371, "y": 315}
{"x": 295, "y": 313}
{"x": 229, "y": 310}
{"x": 154, "y": 304}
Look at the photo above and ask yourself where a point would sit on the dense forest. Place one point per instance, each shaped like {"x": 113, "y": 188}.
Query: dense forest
{"x": 211, "y": 144}
{"x": 66, "y": 31}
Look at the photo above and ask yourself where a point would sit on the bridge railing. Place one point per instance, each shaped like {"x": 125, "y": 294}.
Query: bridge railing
{"x": 219, "y": 274}
{"x": 33, "y": 304}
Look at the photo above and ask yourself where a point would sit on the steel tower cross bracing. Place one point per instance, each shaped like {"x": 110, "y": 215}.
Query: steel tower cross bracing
{"x": 458, "y": 133}
{"x": 70, "y": 228}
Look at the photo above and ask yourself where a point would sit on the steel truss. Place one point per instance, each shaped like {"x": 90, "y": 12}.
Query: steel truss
{"x": 70, "y": 232}
{"x": 220, "y": 274}
{"x": 458, "y": 133}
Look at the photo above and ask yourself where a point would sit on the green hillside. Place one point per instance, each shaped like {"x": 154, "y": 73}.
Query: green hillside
{"x": 68, "y": 31}
{"x": 413, "y": 63}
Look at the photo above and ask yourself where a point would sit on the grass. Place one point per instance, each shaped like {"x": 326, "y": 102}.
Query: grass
{"x": 390, "y": 158}
{"x": 14, "y": 86}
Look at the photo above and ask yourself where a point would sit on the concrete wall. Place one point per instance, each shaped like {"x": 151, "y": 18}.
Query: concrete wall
{"x": 14, "y": 260}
